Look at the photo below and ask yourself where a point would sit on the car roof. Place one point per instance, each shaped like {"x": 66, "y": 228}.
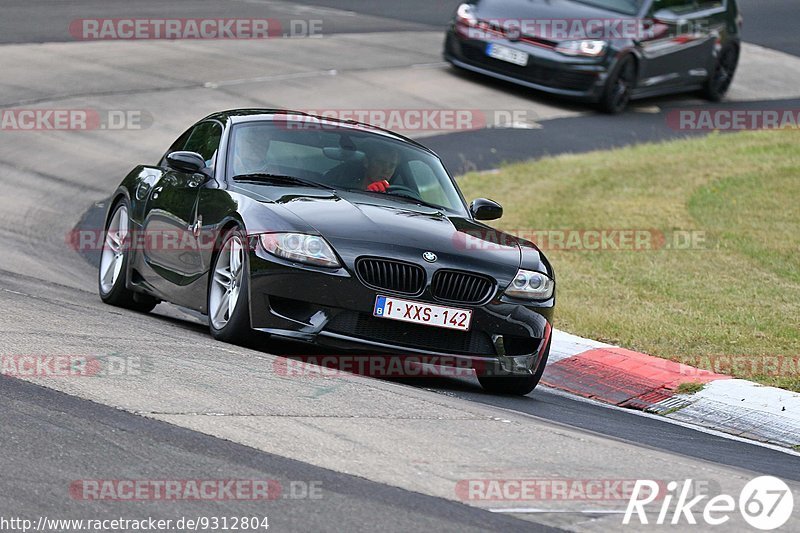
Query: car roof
{"x": 236, "y": 116}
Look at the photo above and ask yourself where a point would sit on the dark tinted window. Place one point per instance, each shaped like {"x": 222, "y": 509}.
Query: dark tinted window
{"x": 347, "y": 158}
{"x": 676, "y": 6}
{"x": 204, "y": 140}
{"x": 176, "y": 146}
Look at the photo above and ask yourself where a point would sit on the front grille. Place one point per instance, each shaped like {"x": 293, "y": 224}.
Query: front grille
{"x": 391, "y": 275}
{"x": 538, "y": 74}
{"x": 368, "y": 327}
{"x": 461, "y": 287}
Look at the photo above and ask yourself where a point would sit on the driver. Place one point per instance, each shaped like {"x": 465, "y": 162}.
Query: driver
{"x": 380, "y": 163}
{"x": 250, "y": 152}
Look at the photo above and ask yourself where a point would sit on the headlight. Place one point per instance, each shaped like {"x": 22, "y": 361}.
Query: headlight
{"x": 582, "y": 48}
{"x": 309, "y": 249}
{"x": 465, "y": 15}
{"x": 531, "y": 285}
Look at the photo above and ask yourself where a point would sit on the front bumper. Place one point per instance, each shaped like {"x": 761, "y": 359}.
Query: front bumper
{"x": 334, "y": 309}
{"x": 547, "y": 70}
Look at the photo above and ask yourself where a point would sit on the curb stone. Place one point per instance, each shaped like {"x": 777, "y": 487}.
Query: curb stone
{"x": 626, "y": 378}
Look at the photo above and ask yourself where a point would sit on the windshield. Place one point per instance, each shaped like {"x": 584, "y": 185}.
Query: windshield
{"x": 340, "y": 157}
{"x": 627, "y": 7}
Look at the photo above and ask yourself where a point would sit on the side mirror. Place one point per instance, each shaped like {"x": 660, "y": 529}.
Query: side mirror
{"x": 190, "y": 162}
{"x": 484, "y": 209}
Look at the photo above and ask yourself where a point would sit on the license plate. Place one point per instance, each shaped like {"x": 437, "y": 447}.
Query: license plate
{"x": 422, "y": 313}
{"x": 504, "y": 53}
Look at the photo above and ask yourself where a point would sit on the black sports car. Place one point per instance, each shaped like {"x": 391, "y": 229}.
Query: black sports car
{"x": 330, "y": 232}
{"x": 604, "y": 51}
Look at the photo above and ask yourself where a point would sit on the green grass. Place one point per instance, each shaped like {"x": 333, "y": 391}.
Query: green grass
{"x": 689, "y": 387}
{"x": 732, "y": 304}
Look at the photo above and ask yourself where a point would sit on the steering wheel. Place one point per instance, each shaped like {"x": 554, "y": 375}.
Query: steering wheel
{"x": 408, "y": 191}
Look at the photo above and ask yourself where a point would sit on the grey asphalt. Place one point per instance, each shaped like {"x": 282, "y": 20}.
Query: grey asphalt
{"x": 644, "y": 430}
{"x": 49, "y": 21}
{"x": 772, "y": 24}
{"x": 488, "y": 149}
{"x": 50, "y": 438}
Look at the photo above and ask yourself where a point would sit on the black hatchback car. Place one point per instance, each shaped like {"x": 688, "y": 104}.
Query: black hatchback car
{"x": 603, "y": 51}
{"x": 334, "y": 233}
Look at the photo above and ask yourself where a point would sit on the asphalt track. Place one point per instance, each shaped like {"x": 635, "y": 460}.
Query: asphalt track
{"x": 95, "y": 441}
{"x": 387, "y": 453}
{"x": 772, "y": 24}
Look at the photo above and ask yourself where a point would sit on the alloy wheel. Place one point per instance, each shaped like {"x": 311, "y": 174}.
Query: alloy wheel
{"x": 227, "y": 282}
{"x": 113, "y": 255}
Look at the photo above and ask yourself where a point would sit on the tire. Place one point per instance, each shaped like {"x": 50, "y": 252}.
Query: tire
{"x": 717, "y": 85}
{"x": 113, "y": 270}
{"x": 619, "y": 87}
{"x": 515, "y": 385}
{"x": 229, "y": 321}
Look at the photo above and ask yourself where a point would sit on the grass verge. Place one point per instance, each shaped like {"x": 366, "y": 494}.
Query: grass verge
{"x": 719, "y": 285}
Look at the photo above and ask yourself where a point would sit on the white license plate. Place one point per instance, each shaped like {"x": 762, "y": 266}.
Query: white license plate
{"x": 504, "y": 53}
{"x": 422, "y": 313}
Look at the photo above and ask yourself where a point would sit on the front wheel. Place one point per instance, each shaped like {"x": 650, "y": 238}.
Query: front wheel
{"x": 720, "y": 80}
{"x": 228, "y": 291}
{"x": 515, "y": 385}
{"x": 619, "y": 87}
{"x": 112, "y": 274}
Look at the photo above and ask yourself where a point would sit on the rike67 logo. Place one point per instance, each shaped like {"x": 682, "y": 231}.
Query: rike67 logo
{"x": 765, "y": 503}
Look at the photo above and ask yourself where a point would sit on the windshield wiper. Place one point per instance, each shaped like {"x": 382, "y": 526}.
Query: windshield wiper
{"x": 415, "y": 200}
{"x": 279, "y": 178}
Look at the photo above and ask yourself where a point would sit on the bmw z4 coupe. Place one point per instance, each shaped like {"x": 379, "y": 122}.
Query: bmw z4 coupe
{"x": 328, "y": 232}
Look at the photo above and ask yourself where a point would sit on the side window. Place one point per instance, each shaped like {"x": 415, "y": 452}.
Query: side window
{"x": 427, "y": 183}
{"x": 176, "y": 146}
{"x": 204, "y": 140}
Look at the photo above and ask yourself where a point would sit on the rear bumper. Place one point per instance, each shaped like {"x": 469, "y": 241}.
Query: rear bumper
{"x": 334, "y": 309}
{"x": 547, "y": 70}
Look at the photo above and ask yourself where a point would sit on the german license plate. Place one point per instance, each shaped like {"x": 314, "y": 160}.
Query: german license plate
{"x": 504, "y": 53}
{"x": 439, "y": 316}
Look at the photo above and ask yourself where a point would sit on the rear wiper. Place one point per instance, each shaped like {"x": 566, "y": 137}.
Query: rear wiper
{"x": 278, "y": 178}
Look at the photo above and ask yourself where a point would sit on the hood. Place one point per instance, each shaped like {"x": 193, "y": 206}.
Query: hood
{"x": 358, "y": 224}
